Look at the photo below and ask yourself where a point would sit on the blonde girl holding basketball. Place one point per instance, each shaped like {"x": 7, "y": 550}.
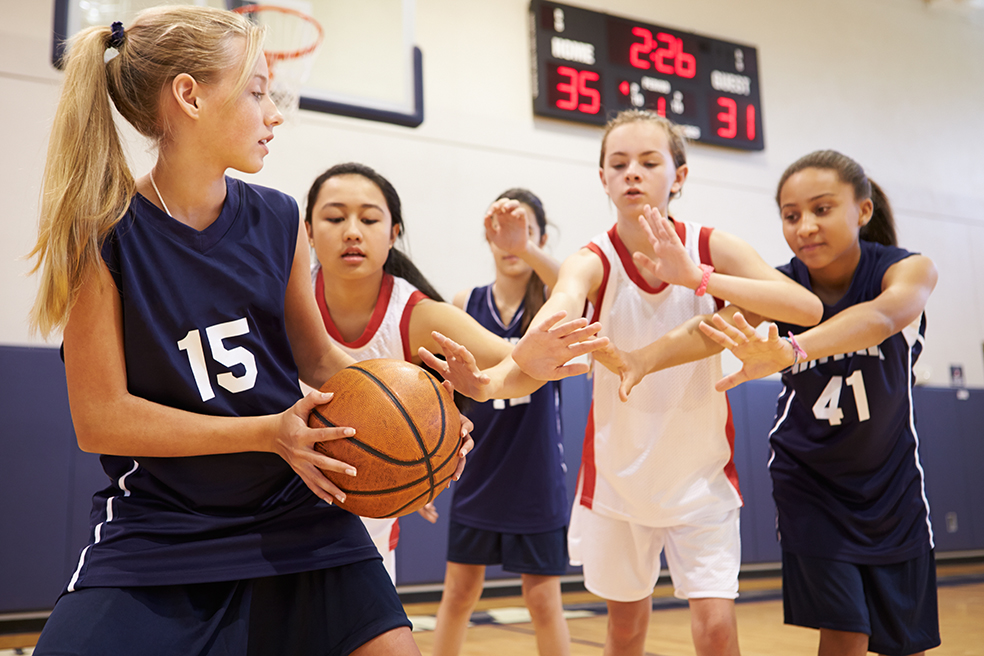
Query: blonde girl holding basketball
{"x": 656, "y": 471}
{"x": 187, "y": 316}
{"x": 373, "y": 300}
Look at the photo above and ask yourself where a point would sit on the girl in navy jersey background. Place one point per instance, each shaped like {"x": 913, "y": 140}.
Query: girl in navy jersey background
{"x": 854, "y": 523}
{"x": 187, "y": 316}
{"x": 512, "y": 511}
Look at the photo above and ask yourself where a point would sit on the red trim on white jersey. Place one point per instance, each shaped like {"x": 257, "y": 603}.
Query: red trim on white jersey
{"x": 382, "y": 302}
{"x": 630, "y": 268}
{"x": 588, "y": 474}
{"x": 394, "y": 535}
{"x": 415, "y": 298}
{"x": 606, "y": 269}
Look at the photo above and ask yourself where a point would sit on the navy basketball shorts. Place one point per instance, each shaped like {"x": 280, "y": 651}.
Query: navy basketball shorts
{"x": 544, "y": 554}
{"x": 895, "y": 605}
{"x": 331, "y": 611}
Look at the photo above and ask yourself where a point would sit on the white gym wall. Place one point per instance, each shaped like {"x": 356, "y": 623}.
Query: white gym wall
{"x": 896, "y": 84}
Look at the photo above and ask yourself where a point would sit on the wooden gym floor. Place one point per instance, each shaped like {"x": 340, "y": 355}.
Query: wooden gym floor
{"x": 501, "y": 625}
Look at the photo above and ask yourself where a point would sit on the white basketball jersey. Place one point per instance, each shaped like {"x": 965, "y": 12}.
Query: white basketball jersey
{"x": 665, "y": 456}
{"x": 386, "y": 336}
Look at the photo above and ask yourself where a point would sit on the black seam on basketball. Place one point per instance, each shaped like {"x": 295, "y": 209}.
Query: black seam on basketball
{"x": 407, "y": 417}
{"x": 444, "y": 427}
{"x": 324, "y": 419}
{"x": 416, "y": 500}
{"x": 444, "y": 416}
{"x": 368, "y": 449}
{"x": 384, "y": 457}
{"x": 380, "y": 492}
{"x": 446, "y": 460}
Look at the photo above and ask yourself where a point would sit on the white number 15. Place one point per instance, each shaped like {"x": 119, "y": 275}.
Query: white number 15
{"x": 192, "y": 344}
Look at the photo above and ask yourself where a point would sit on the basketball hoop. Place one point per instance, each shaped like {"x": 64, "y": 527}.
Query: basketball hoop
{"x": 291, "y": 43}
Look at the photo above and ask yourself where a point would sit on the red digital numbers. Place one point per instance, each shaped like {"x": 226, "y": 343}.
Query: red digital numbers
{"x": 665, "y": 52}
{"x": 728, "y": 118}
{"x": 577, "y": 94}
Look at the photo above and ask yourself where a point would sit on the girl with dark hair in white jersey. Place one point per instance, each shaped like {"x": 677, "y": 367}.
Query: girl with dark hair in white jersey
{"x": 373, "y": 300}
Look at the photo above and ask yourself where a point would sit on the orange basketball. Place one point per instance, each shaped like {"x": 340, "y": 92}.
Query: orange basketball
{"x": 407, "y": 436}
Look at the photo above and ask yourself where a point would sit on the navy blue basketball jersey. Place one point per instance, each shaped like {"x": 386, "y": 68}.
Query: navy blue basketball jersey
{"x": 845, "y": 466}
{"x": 514, "y": 480}
{"x": 204, "y": 331}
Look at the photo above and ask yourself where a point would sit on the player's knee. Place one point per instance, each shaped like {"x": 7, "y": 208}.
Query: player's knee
{"x": 462, "y": 592}
{"x": 624, "y": 629}
{"x": 541, "y": 595}
{"x": 714, "y": 635}
{"x": 459, "y": 597}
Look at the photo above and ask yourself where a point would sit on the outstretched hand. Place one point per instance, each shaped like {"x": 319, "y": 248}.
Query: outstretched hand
{"x": 546, "y": 348}
{"x": 624, "y": 365}
{"x": 672, "y": 264}
{"x": 760, "y": 356}
{"x": 458, "y": 367}
{"x": 506, "y": 226}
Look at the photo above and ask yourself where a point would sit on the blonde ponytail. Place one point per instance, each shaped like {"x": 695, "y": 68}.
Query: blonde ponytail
{"x": 87, "y": 183}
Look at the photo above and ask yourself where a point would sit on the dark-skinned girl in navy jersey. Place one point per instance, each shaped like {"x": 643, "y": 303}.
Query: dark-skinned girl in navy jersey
{"x": 857, "y": 544}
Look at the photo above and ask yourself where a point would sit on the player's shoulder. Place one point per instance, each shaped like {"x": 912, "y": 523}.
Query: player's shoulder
{"x": 264, "y": 199}
{"x": 590, "y": 255}
{"x": 877, "y": 259}
{"x": 587, "y": 264}
{"x": 883, "y": 252}
{"x": 460, "y": 299}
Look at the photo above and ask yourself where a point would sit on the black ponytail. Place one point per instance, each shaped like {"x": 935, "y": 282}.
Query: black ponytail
{"x": 881, "y": 227}
{"x": 399, "y": 265}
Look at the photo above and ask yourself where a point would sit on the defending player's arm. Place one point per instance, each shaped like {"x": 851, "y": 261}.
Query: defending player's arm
{"x": 906, "y": 287}
{"x": 683, "y": 344}
{"x": 429, "y": 316}
{"x": 741, "y": 277}
{"x": 543, "y": 352}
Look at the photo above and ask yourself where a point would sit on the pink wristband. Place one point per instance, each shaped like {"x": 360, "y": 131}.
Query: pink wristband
{"x": 800, "y": 353}
{"x": 702, "y": 287}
